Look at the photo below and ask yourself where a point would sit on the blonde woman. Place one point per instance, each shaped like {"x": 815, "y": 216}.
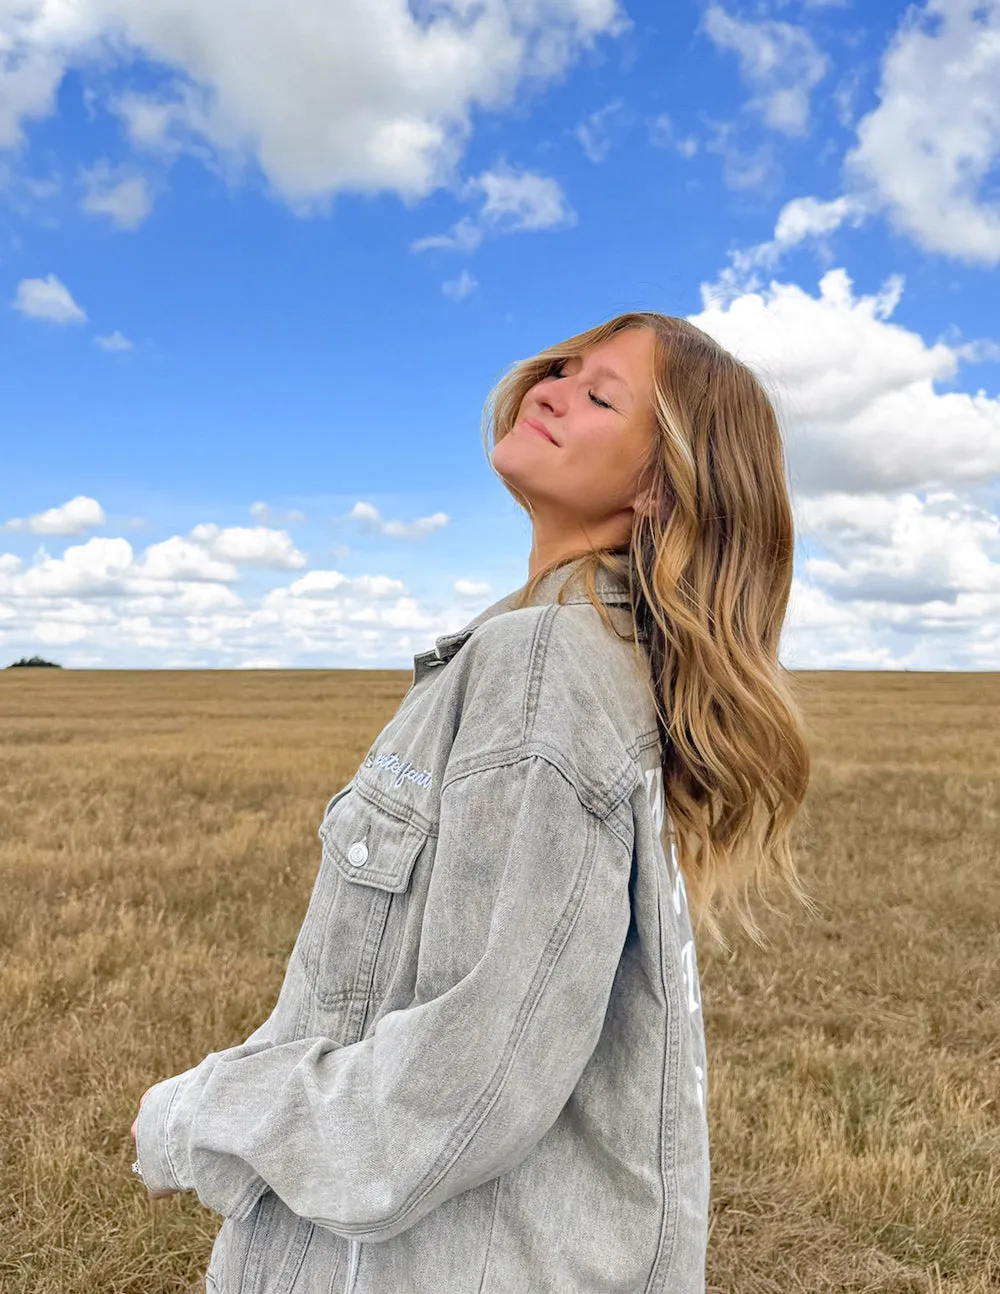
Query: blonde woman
{"x": 485, "y": 1072}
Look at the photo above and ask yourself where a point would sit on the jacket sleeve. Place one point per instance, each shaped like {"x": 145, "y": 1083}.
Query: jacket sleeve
{"x": 455, "y": 1089}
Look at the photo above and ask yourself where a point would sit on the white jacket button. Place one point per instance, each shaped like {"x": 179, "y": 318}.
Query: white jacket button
{"x": 358, "y": 853}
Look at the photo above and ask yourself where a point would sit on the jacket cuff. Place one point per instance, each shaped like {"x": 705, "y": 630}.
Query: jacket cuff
{"x": 223, "y": 1183}
{"x": 152, "y": 1151}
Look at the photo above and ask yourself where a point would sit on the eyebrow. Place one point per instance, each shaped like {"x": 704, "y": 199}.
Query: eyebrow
{"x": 615, "y": 377}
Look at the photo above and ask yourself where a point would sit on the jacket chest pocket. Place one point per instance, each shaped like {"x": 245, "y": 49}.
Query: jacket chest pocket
{"x": 354, "y": 923}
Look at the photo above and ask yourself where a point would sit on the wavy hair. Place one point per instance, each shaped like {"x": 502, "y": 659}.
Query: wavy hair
{"x": 709, "y": 571}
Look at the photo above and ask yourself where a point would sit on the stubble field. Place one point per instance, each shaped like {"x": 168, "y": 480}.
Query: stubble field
{"x": 157, "y": 850}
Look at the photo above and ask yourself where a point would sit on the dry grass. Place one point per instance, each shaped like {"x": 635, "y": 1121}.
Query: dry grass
{"x": 157, "y": 849}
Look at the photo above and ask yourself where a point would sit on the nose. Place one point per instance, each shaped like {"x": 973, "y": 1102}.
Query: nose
{"x": 551, "y": 398}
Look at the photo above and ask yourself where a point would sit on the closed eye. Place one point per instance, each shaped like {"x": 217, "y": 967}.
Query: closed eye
{"x": 556, "y": 371}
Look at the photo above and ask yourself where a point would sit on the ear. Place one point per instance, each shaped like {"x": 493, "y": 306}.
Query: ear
{"x": 643, "y": 501}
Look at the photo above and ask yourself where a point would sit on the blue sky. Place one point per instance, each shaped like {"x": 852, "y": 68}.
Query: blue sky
{"x": 261, "y": 268}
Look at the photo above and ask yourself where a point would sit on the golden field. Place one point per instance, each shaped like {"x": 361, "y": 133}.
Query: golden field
{"x": 157, "y": 851}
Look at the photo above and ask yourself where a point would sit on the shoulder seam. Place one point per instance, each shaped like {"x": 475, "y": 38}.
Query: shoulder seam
{"x": 607, "y": 806}
{"x": 536, "y": 668}
{"x": 608, "y": 811}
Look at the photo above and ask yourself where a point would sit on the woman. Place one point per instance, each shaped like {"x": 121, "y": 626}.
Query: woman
{"x": 485, "y": 1070}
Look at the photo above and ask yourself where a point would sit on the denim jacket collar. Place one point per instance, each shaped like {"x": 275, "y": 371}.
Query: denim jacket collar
{"x": 610, "y": 589}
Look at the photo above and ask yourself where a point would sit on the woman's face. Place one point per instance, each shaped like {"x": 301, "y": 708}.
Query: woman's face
{"x": 597, "y": 411}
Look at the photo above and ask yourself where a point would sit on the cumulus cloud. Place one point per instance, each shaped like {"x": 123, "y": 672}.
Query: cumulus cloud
{"x": 124, "y": 198}
{"x": 250, "y": 546}
{"x": 515, "y": 200}
{"x": 779, "y": 60}
{"x": 663, "y": 134}
{"x": 175, "y": 604}
{"x": 48, "y": 298}
{"x": 898, "y": 582}
{"x": 365, "y": 611}
{"x": 264, "y": 514}
{"x": 113, "y": 341}
{"x": 925, "y": 155}
{"x": 742, "y": 167}
{"x": 71, "y": 518}
{"x": 596, "y": 132}
{"x": 922, "y": 591}
{"x": 905, "y": 550}
{"x": 798, "y": 220}
{"x": 334, "y": 584}
{"x": 465, "y": 236}
{"x": 373, "y": 522}
{"x": 460, "y": 287}
{"x": 98, "y": 566}
{"x": 511, "y": 201}
{"x": 859, "y": 392}
{"x": 891, "y": 475}
{"x": 100, "y": 593}
{"x": 182, "y": 559}
{"x": 364, "y": 96}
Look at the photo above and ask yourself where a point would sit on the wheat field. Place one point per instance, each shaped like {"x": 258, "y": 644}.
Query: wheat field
{"x": 157, "y": 850}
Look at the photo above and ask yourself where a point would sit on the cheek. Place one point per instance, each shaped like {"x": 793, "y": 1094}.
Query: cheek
{"x": 601, "y": 454}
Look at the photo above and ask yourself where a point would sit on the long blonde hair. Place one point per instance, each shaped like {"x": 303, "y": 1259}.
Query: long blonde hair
{"x": 709, "y": 569}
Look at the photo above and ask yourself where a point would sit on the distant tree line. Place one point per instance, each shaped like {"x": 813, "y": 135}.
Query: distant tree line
{"x": 34, "y": 660}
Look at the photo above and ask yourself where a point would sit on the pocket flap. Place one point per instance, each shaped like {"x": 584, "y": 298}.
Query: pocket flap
{"x": 369, "y": 846}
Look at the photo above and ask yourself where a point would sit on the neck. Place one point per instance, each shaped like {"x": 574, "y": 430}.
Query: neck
{"x": 553, "y": 543}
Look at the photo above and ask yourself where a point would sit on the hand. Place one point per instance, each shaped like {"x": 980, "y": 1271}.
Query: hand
{"x": 155, "y": 1195}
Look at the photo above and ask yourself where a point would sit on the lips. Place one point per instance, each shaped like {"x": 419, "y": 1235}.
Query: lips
{"x": 535, "y": 425}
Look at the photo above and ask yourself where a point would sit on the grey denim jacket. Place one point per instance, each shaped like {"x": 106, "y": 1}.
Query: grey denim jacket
{"x": 485, "y": 1070}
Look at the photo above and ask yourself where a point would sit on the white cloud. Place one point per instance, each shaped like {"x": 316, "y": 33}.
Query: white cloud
{"x": 71, "y": 518}
{"x": 363, "y": 96}
{"x": 460, "y": 287}
{"x": 597, "y": 129}
{"x": 30, "y": 81}
{"x": 263, "y": 513}
{"x": 859, "y": 392}
{"x": 512, "y": 202}
{"x": 250, "y": 546}
{"x": 663, "y": 134}
{"x": 48, "y": 298}
{"x": 372, "y": 521}
{"x": 465, "y": 236}
{"x": 925, "y": 153}
{"x": 904, "y": 549}
{"x": 516, "y": 200}
{"x": 325, "y": 610}
{"x": 896, "y": 582}
{"x": 903, "y": 581}
{"x": 97, "y": 566}
{"x": 126, "y": 199}
{"x": 812, "y": 218}
{"x": 926, "y": 156}
{"x": 742, "y": 168}
{"x": 184, "y": 559}
{"x": 100, "y": 594}
{"x": 325, "y": 584}
{"x": 799, "y": 219}
{"x": 780, "y": 61}
{"x": 114, "y": 341}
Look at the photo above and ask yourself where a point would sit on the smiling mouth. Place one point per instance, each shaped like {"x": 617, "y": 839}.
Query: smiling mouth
{"x": 537, "y": 426}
